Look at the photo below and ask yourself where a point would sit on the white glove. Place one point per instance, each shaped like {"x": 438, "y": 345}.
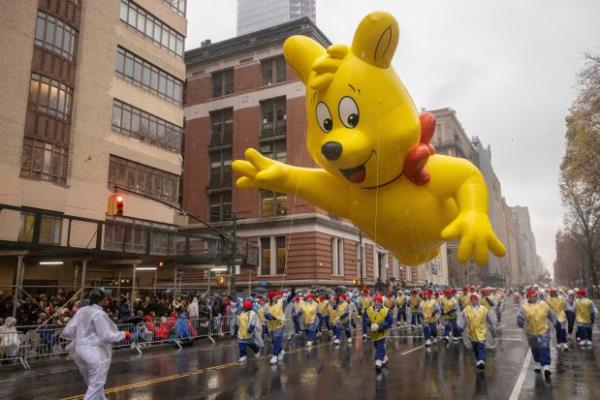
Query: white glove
{"x": 374, "y": 327}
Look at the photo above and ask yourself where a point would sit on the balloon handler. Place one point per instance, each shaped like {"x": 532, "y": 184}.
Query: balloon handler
{"x": 558, "y": 304}
{"x": 339, "y": 313}
{"x": 249, "y": 331}
{"x": 92, "y": 334}
{"x": 585, "y": 316}
{"x": 450, "y": 311}
{"x": 476, "y": 322}
{"x": 365, "y": 301}
{"x": 430, "y": 310}
{"x": 309, "y": 312}
{"x": 376, "y": 165}
{"x": 533, "y": 317}
{"x": 381, "y": 319}
{"x": 274, "y": 314}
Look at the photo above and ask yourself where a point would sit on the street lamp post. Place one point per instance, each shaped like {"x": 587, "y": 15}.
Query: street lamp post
{"x": 233, "y": 253}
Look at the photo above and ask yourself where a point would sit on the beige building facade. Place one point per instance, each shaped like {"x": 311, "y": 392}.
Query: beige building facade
{"x": 92, "y": 105}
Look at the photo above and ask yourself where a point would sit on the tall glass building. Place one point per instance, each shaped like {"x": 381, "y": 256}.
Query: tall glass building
{"x": 254, "y": 15}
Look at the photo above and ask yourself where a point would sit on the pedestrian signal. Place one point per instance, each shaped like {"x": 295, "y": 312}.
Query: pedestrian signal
{"x": 220, "y": 280}
{"x": 115, "y": 205}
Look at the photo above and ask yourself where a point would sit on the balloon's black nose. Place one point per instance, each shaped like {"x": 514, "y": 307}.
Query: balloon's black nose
{"x": 332, "y": 150}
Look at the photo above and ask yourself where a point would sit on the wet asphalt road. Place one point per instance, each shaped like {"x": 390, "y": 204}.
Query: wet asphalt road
{"x": 328, "y": 372}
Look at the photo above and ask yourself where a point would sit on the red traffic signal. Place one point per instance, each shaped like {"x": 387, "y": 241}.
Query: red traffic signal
{"x": 119, "y": 205}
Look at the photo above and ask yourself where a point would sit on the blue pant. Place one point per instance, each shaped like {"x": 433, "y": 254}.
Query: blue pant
{"x": 451, "y": 326}
{"x": 244, "y": 345}
{"x": 584, "y": 332}
{"x": 570, "y": 321}
{"x": 296, "y": 324}
{"x": 415, "y": 318}
{"x": 311, "y": 330}
{"x": 365, "y": 323}
{"x": 498, "y": 315}
{"x": 561, "y": 333}
{"x": 277, "y": 339}
{"x": 379, "y": 349}
{"x": 429, "y": 330}
{"x": 401, "y": 314}
{"x": 540, "y": 348}
{"x": 338, "y": 328}
{"x": 479, "y": 350}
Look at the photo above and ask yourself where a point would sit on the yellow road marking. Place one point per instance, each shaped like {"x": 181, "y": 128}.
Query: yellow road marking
{"x": 154, "y": 381}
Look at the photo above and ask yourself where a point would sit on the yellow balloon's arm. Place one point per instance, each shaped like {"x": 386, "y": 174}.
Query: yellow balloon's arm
{"x": 459, "y": 179}
{"x": 315, "y": 185}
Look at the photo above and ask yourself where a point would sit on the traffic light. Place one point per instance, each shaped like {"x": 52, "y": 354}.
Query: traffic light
{"x": 220, "y": 280}
{"x": 115, "y": 205}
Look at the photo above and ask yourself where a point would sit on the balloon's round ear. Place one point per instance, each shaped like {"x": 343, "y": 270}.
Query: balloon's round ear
{"x": 376, "y": 39}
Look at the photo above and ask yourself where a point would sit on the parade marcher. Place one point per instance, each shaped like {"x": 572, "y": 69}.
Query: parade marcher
{"x": 570, "y": 311}
{"x": 296, "y": 311}
{"x": 585, "y": 315}
{"x": 366, "y": 301}
{"x": 381, "y": 319}
{"x": 401, "y": 305}
{"x": 309, "y": 313}
{"x": 261, "y": 316}
{"x": 450, "y": 311}
{"x": 274, "y": 313}
{"x": 92, "y": 334}
{"x": 465, "y": 298}
{"x": 388, "y": 301}
{"x": 353, "y": 306}
{"x": 558, "y": 305}
{"x": 339, "y": 313}
{"x": 533, "y": 317}
{"x": 476, "y": 322}
{"x": 498, "y": 297}
{"x": 486, "y": 299}
{"x": 249, "y": 331}
{"x": 430, "y": 310}
{"x": 413, "y": 303}
{"x": 323, "y": 314}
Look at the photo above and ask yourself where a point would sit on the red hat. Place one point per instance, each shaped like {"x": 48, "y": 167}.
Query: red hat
{"x": 147, "y": 318}
{"x": 366, "y": 290}
{"x": 553, "y": 290}
{"x": 321, "y": 298}
{"x": 272, "y": 293}
{"x": 297, "y": 299}
{"x": 414, "y": 291}
{"x": 465, "y": 289}
{"x": 581, "y": 292}
{"x": 248, "y": 305}
{"x": 531, "y": 293}
{"x": 427, "y": 293}
{"x": 452, "y": 291}
{"x": 474, "y": 296}
{"x": 343, "y": 296}
{"x": 378, "y": 299}
{"x": 310, "y": 296}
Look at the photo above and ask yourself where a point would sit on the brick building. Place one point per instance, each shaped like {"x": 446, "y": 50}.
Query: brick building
{"x": 241, "y": 94}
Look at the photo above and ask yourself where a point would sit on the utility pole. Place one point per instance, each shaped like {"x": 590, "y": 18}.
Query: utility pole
{"x": 362, "y": 257}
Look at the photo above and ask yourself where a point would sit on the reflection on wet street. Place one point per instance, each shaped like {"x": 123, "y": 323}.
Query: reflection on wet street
{"x": 326, "y": 371}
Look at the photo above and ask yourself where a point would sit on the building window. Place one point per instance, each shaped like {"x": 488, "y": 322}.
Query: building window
{"x": 132, "y": 236}
{"x": 220, "y": 169}
{"x": 222, "y": 127}
{"x": 134, "y": 122}
{"x": 44, "y": 161}
{"x": 273, "y": 255}
{"x": 140, "y": 178}
{"x": 272, "y": 204}
{"x": 273, "y": 70}
{"x": 56, "y": 36}
{"x": 337, "y": 256}
{"x": 151, "y": 27}
{"x": 140, "y": 72}
{"x": 50, "y": 97}
{"x": 177, "y": 5}
{"x": 276, "y": 150}
{"x": 50, "y": 228}
{"x": 219, "y": 206}
{"x": 222, "y": 83}
{"x": 273, "y": 118}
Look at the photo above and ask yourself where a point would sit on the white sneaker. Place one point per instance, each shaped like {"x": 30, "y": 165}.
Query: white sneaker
{"x": 349, "y": 340}
{"x": 538, "y": 368}
{"x": 243, "y": 360}
{"x": 565, "y": 346}
{"x": 336, "y": 341}
{"x": 547, "y": 371}
{"x": 385, "y": 360}
{"x": 428, "y": 342}
{"x": 456, "y": 339}
{"x": 447, "y": 338}
{"x": 309, "y": 343}
{"x": 398, "y": 323}
{"x": 587, "y": 342}
{"x": 364, "y": 335}
{"x": 273, "y": 360}
{"x": 480, "y": 364}
{"x": 280, "y": 356}
{"x": 378, "y": 364}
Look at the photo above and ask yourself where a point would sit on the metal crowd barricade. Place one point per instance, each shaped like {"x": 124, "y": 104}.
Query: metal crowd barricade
{"x": 35, "y": 343}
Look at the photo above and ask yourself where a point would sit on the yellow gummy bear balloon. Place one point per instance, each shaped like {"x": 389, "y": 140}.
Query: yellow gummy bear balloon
{"x": 377, "y": 167}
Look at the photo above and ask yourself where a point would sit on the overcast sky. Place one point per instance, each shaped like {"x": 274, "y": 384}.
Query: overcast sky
{"x": 508, "y": 68}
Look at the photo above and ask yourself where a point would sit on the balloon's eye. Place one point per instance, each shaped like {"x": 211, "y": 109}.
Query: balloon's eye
{"x": 324, "y": 117}
{"x": 348, "y": 110}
